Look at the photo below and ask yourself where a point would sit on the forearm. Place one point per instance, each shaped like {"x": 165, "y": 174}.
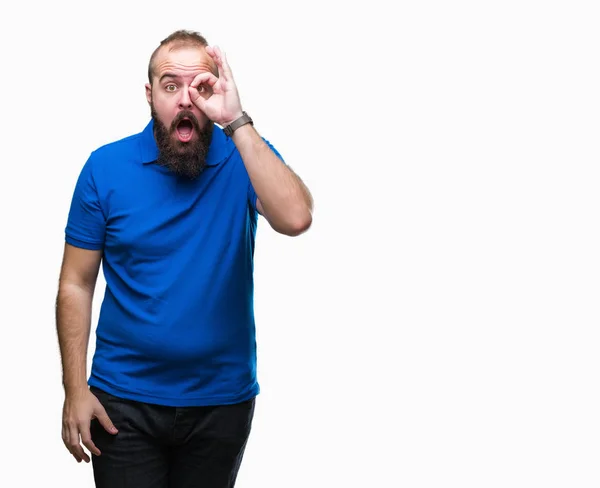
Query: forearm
{"x": 286, "y": 201}
{"x": 73, "y": 321}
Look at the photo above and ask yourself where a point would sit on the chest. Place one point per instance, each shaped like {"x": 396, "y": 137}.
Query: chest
{"x": 161, "y": 214}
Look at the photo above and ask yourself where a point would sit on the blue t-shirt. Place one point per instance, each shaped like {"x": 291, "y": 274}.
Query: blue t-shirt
{"x": 176, "y": 324}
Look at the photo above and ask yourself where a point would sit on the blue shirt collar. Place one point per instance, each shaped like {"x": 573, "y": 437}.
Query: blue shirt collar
{"x": 219, "y": 150}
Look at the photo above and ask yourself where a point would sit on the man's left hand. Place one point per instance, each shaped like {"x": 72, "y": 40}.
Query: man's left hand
{"x": 223, "y": 106}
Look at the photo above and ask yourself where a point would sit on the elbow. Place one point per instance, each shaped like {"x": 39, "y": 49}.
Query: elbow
{"x": 299, "y": 225}
{"x": 292, "y": 221}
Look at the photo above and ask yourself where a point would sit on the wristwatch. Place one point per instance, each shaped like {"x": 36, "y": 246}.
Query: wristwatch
{"x": 237, "y": 123}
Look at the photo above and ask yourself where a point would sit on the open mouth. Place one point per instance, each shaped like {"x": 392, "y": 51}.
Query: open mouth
{"x": 185, "y": 130}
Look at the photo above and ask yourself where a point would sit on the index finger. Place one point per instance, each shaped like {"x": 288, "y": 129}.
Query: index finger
{"x": 201, "y": 78}
{"x": 75, "y": 447}
{"x": 86, "y": 439}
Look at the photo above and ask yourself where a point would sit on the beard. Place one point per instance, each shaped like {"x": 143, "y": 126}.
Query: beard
{"x": 186, "y": 159}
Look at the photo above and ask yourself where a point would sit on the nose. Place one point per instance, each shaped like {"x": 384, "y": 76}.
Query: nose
{"x": 184, "y": 100}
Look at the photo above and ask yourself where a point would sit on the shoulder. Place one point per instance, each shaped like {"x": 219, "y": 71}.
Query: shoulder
{"x": 109, "y": 162}
{"x": 125, "y": 148}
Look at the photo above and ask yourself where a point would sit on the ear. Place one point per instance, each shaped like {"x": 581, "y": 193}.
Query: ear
{"x": 149, "y": 93}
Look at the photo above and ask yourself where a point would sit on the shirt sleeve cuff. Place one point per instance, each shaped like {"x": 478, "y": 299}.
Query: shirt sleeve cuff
{"x": 94, "y": 246}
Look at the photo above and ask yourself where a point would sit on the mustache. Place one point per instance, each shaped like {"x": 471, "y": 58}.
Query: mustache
{"x": 185, "y": 114}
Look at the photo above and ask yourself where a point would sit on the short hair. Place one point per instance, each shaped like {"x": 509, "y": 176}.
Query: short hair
{"x": 179, "y": 38}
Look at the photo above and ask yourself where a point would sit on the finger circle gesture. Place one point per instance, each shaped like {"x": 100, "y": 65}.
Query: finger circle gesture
{"x": 223, "y": 105}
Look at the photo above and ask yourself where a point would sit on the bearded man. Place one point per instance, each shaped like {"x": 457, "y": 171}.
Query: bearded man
{"x": 171, "y": 214}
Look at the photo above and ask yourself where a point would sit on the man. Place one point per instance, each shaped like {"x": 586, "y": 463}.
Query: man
{"x": 171, "y": 213}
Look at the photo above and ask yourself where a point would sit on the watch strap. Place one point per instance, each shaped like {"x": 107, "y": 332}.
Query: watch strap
{"x": 237, "y": 123}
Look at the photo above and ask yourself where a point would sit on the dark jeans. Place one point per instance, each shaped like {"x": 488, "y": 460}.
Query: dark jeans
{"x": 170, "y": 447}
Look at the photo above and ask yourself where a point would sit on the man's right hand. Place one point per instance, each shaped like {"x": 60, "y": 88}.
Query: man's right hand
{"x": 79, "y": 409}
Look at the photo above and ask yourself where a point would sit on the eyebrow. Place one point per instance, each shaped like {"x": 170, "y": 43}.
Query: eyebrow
{"x": 168, "y": 75}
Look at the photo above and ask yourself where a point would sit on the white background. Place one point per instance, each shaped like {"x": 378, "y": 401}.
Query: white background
{"x": 438, "y": 325}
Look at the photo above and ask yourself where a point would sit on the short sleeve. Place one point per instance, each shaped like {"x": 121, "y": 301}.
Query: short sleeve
{"x": 251, "y": 193}
{"x": 86, "y": 223}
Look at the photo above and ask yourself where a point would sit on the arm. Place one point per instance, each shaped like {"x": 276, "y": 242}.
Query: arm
{"x": 73, "y": 323}
{"x": 283, "y": 199}
{"x": 73, "y": 313}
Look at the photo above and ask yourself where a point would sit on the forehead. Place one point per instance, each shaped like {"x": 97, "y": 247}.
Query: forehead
{"x": 182, "y": 60}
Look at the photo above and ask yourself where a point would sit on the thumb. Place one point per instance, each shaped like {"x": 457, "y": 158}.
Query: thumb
{"x": 105, "y": 421}
{"x": 196, "y": 98}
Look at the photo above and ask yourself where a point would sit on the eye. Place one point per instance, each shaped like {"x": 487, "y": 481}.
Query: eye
{"x": 170, "y": 88}
{"x": 201, "y": 88}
